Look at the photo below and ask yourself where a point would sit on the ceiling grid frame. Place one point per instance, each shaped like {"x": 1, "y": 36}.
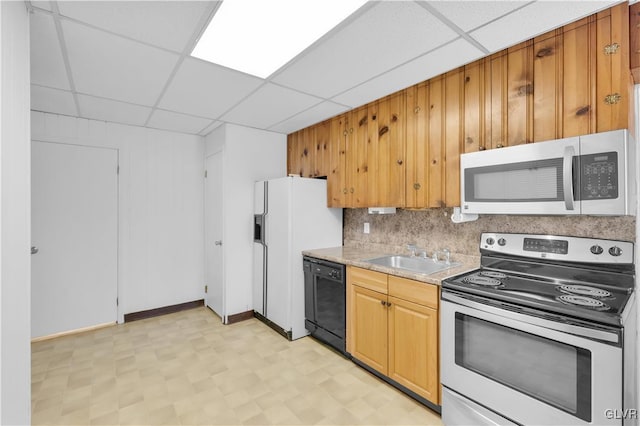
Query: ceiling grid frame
{"x": 310, "y": 107}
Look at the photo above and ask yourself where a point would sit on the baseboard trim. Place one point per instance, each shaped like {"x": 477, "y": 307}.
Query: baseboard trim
{"x": 135, "y": 316}
{"x": 242, "y": 316}
{"x": 71, "y": 332}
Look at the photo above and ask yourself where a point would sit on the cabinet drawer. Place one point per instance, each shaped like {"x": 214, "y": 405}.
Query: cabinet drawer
{"x": 376, "y": 281}
{"x": 414, "y": 291}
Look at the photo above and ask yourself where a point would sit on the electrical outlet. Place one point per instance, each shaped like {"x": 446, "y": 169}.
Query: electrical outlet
{"x": 366, "y": 228}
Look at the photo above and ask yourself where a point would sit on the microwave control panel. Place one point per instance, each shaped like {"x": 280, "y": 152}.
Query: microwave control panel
{"x": 599, "y": 176}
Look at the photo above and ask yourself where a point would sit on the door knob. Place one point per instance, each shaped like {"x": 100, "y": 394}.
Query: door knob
{"x": 218, "y": 242}
{"x": 34, "y": 249}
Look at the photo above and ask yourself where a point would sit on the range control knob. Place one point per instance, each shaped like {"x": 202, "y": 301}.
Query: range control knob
{"x": 502, "y": 241}
{"x": 615, "y": 251}
{"x": 490, "y": 241}
{"x": 596, "y": 249}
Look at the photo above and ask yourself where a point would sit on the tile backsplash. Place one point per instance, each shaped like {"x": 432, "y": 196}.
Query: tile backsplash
{"x": 433, "y": 228}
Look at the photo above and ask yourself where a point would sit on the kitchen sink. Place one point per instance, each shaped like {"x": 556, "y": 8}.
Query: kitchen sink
{"x": 419, "y": 265}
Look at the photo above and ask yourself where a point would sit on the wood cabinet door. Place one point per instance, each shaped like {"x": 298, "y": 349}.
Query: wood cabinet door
{"x": 547, "y": 83}
{"x": 357, "y": 157}
{"x": 417, "y": 146}
{"x": 613, "y": 78}
{"x": 474, "y": 106}
{"x": 520, "y": 94}
{"x": 322, "y": 149}
{"x": 413, "y": 347}
{"x": 634, "y": 41}
{"x": 370, "y": 328}
{"x": 336, "y": 179}
{"x": 453, "y": 130}
{"x": 306, "y": 139}
{"x": 436, "y": 148}
{"x": 293, "y": 159}
{"x": 579, "y": 86}
{"x": 390, "y": 178}
{"x": 496, "y": 101}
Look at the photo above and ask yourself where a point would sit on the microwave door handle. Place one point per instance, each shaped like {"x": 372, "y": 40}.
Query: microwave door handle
{"x": 567, "y": 177}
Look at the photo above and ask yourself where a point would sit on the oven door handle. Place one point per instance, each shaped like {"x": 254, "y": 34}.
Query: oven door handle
{"x": 586, "y": 332}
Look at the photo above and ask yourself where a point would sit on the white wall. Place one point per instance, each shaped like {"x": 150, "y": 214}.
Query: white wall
{"x": 250, "y": 155}
{"x": 15, "y": 223}
{"x": 161, "y": 210}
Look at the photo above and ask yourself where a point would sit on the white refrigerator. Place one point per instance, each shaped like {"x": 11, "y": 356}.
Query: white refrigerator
{"x": 290, "y": 215}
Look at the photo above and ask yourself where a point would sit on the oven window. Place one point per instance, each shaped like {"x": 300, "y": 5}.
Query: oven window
{"x": 517, "y": 182}
{"x": 549, "y": 371}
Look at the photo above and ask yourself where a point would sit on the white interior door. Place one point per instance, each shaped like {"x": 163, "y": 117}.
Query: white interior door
{"x": 213, "y": 234}
{"x": 74, "y": 222}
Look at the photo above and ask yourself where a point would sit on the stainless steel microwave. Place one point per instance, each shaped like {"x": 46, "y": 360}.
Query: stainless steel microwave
{"x": 591, "y": 175}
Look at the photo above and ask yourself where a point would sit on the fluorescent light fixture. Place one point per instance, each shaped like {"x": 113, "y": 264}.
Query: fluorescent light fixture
{"x": 259, "y": 36}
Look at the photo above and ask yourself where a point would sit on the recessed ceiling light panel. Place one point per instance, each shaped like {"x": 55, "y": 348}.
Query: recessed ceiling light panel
{"x": 260, "y": 36}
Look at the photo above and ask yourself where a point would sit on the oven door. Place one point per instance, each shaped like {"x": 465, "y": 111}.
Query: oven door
{"x": 526, "y": 368}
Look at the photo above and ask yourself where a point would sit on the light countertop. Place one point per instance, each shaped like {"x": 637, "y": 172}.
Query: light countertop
{"x": 355, "y": 255}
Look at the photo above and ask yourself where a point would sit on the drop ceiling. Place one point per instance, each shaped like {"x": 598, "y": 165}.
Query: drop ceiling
{"x": 128, "y": 61}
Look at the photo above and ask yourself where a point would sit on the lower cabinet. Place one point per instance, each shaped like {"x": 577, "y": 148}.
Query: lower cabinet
{"x": 392, "y": 327}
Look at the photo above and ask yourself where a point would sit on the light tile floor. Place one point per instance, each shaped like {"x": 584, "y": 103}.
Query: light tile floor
{"x": 187, "y": 368}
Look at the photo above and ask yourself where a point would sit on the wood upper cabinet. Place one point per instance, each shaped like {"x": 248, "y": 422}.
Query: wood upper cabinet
{"x": 634, "y": 41}
{"x": 519, "y": 87}
{"x": 392, "y": 326}
{"x": 417, "y": 146}
{"x": 424, "y": 176}
{"x": 322, "y": 149}
{"x": 388, "y": 141}
{"x": 358, "y": 170}
{"x": 474, "y": 106}
{"x": 453, "y": 123}
{"x": 547, "y": 84}
{"x": 292, "y": 156}
{"x": 614, "y": 82}
{"x": 301, "y": 152}
{"x": 336, "y": 178}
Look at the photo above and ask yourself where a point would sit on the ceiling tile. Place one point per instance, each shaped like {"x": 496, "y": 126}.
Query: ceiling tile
{"x": 439, "y": 61}
{"x": 269, "y": 105}
{"x": 167, "y": 24}
{"x": 385, "y": 35}
{"x": 47, "y": 65}
{"x": 469, "y": 15}
{"x": 113, "y": 67}
{"x": 533, "y": 20}
{"x": 168, "y": 120}
{"x": 114, "y": 111}
{"x": 206, "y": 90}
{"x": 52, "y": 100}
{"x": 309, "y": 117}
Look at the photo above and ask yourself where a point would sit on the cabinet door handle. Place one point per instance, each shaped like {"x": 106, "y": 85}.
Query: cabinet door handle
{"x": 382, "y": 302}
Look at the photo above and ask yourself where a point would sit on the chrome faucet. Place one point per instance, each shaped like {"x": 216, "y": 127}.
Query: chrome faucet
{"x": 417, "y": 251}
{"x": 445, "y": 252}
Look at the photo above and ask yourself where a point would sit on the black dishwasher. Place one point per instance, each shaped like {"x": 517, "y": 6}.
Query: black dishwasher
{"x": 325, "y": 301}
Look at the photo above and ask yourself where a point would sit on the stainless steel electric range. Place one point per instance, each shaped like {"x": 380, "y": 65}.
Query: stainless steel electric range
{"x": 542, "y": 333}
